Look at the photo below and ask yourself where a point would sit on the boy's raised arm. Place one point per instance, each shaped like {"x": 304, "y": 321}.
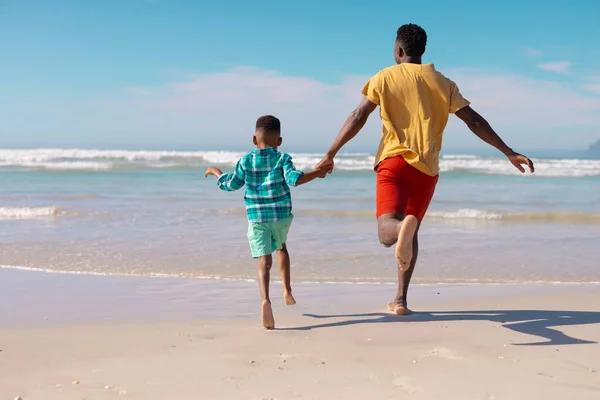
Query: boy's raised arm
{"x": 480, "y": 127}
{"x": 214, "y": 171}
{"x": 228, "y": 182}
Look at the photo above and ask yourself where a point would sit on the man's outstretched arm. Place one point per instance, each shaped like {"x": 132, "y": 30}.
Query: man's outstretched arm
{"x": 355, "y": 122}
{"x": 480, "y": 127}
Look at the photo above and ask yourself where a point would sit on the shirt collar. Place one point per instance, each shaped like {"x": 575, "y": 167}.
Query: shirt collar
{"x": 265, "y": 151}
{"x": 418, "y": 66}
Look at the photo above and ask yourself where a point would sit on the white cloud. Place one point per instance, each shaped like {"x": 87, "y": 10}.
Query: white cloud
{"x": 228, "y": 103}
{"x": 532, "y": 113}
{"x": 533, "y": 53}
{"x": 592, "y": 87}
{"x": 220, "y": 109}
{"x": 559, "y": 67}
{"x": 516, "y": 99}
{"x": 311, "y": 110}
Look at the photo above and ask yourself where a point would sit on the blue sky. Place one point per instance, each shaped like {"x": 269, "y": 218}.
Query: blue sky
{"x": 141, "y": 73}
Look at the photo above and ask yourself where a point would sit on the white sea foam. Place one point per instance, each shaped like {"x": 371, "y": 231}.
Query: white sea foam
{"x": 561, "y": 217}
{"x": 466, "y": 214}
{"x": 459, "y": 156}
{"x": 449, "y": 282}
{"x": 500, "y": 166}
{"x": 28, "y": 212}
{"x": 99, "y": 160}
{"x": 61, "y": 165}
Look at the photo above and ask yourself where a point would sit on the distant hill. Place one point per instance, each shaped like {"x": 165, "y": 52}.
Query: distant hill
{"x": 595, "y": 148}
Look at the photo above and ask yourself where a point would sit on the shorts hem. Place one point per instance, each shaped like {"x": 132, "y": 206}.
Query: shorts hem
{"x": 262, "y": 255}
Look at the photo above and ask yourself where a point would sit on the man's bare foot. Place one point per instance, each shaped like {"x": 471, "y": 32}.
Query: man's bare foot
{"x": 404, "y": 246}
{"x": 267, "y": 315}
{"x": 289, "y": 299}
{"x": 398, "y": 309}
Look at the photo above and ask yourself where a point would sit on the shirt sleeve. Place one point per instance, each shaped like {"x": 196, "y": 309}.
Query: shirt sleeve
{"x": 457, "y": 102}
{"x": 290, "y": 174}
{"x": 234, "y": 180}
{"x": 372, "y": 89}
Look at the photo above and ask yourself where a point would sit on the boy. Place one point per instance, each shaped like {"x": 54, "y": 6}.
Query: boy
{"x": 267, "y": 173}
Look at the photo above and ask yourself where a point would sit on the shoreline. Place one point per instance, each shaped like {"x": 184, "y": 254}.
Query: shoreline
{"x": 49, "y": 299}
{"x": 345, "y": 281}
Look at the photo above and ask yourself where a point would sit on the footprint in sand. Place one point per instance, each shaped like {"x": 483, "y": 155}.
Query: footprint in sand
{"x": 442, "y": 352}
{"x": 403, "y": 382}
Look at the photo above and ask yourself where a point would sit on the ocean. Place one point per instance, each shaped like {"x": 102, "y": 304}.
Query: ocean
{"x": 152, "y": 213}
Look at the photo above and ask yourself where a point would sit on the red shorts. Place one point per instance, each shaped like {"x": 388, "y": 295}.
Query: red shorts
{"x": 401, "y": 188}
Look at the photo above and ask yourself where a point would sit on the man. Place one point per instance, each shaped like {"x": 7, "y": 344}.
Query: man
{"x": 415, "y": 101}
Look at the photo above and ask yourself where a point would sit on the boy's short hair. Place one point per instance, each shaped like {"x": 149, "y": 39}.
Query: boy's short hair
{"x": 413, "y": 39}
{"x": 268, "y": 124}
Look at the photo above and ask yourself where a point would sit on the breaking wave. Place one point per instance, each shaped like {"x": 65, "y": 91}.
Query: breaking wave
{"x": 465, "y": 214}
{"x": 29, "y": 212}
{"x": 109, "y": 160}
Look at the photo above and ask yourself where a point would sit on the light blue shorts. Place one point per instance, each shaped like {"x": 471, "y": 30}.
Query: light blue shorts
{"x": 266, "y": 237}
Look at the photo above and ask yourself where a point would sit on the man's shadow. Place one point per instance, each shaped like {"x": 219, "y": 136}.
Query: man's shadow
{"x": 531, "y": 322}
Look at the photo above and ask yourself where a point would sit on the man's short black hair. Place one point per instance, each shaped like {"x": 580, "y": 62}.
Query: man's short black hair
{"x": 268, "y": 124}
{"x": 412, "y": 39}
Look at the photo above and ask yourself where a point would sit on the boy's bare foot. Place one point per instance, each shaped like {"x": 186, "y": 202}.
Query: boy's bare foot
{"x": 267, "y": 315}
{"x": 404, "y": 246}
{"x": 398, "y": 309}
{"x": 289, "y": 299}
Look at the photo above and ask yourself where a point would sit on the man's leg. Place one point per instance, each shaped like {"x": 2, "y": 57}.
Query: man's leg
{"x": 392, "y": 229}
{"x": 403, "y": 196}
{"x": 264, "y": 277}
{"x": 396, "y": 225}
{"x": 400, "y": 305}
{"x": 388, "y": 227}
{"x": 283, "y": 259}
{"x": 395, "y": 228}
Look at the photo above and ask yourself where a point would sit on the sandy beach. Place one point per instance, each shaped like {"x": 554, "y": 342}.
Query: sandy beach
{"x": 92, "y": 337}
{"x": 153, "y": 155}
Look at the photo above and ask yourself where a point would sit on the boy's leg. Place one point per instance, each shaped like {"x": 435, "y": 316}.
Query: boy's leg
{"x": 264, "y": 277}
{"x": 283, "y": 258}
{"x": 261, "y": 247}
{"x": 280, "y": 232}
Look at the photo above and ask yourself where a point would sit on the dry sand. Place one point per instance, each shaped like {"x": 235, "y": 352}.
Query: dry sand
{"x": 528, "y": 342}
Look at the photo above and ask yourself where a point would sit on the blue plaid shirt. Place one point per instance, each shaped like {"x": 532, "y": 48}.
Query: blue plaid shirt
{"x": 266, "y": 174}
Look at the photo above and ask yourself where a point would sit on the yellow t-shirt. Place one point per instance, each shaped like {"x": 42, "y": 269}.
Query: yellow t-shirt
{"x": 415, "y": 101}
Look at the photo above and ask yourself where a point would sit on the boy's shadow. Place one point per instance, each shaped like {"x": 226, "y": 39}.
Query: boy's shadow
{"x": 531, "y": 322}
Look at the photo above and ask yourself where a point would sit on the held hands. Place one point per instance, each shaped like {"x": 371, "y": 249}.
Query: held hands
{"x": 322, "y": 172}
{"x": 519, "y": 160}
{"x": 326, "y": 165}
{"x": 213, "y": 171}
